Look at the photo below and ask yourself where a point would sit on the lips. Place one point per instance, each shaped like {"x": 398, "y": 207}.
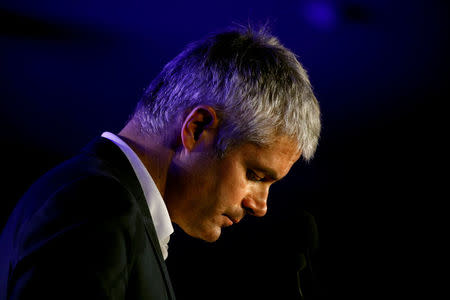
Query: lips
{"x": 232, "y": 219}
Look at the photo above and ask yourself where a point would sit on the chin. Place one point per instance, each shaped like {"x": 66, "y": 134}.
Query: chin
{"x": 211, "y": 237}
{"x": 208, "y": 230}
{"x": 209, "y": 234}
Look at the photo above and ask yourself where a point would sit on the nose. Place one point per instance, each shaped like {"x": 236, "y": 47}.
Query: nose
{"x": 256, "y": 205}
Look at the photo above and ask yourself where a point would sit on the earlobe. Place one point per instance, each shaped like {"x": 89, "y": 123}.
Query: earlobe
{"x": 199, "y": 127}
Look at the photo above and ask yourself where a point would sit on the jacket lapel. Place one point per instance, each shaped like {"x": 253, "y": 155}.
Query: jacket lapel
{"x": 109, "y": 152}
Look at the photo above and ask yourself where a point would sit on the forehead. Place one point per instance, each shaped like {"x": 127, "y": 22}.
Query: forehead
{"x": 276, "y": 158}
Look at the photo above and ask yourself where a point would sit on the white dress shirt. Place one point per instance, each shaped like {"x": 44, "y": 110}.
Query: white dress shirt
{"x": 155, "y": 202}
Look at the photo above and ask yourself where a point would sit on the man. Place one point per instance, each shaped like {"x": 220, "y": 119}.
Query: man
{"x": 223, "y": 121}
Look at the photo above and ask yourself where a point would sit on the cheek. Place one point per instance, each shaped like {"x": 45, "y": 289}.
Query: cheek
{"x": 233, "y": 185}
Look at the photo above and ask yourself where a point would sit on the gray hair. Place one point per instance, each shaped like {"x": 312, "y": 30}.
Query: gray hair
{"x": 257, "y": 86}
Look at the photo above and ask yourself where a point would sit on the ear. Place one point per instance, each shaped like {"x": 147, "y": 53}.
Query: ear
{"x": 199, "y": 128}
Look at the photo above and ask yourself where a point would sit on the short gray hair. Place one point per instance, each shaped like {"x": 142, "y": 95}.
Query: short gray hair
{"x": 257, "y": 86}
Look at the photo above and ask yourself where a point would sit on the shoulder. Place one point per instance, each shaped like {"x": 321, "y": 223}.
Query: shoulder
{"x": 93, "y": 192}
{"x": 88, "y": 230}
{"x": 86, "y": 204}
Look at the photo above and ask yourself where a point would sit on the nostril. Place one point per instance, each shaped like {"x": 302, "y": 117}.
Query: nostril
{"x": 249, "y": 211}
{"x": 257, "y": 208}
{"x": 259, "y": 211}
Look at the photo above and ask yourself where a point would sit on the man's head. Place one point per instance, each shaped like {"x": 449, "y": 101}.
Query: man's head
{"x": 238, "y": 110}
{"x": 257, "y": 87}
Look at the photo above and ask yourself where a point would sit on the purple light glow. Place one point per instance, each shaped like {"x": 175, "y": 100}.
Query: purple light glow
{"x": 321, "y": 14}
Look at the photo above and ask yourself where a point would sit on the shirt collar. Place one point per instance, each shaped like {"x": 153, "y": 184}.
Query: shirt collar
{"x": 155, "y": 202}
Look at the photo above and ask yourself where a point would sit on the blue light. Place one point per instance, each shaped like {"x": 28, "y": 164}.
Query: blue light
{"x": 321, "y": 14}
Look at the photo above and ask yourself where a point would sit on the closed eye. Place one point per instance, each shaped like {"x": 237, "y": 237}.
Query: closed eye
{"x": 251, "y": 175}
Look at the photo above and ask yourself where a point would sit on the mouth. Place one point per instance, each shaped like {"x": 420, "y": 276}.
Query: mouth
{"x": 232, "y": 219}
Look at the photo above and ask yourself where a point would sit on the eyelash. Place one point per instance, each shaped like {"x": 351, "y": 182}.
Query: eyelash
{"x": 251, "y": 175}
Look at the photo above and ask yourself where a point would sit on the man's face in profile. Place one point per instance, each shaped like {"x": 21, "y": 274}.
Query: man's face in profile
{"x": 217, "y": 192}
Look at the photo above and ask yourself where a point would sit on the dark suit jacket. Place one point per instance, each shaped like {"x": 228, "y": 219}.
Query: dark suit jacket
{"x": 84, "y": 231}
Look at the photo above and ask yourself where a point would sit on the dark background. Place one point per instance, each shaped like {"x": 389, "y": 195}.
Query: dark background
{"x": 70, "y": 70}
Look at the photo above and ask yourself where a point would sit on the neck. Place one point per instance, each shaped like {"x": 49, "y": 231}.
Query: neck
{"x": 155, "y": 156}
